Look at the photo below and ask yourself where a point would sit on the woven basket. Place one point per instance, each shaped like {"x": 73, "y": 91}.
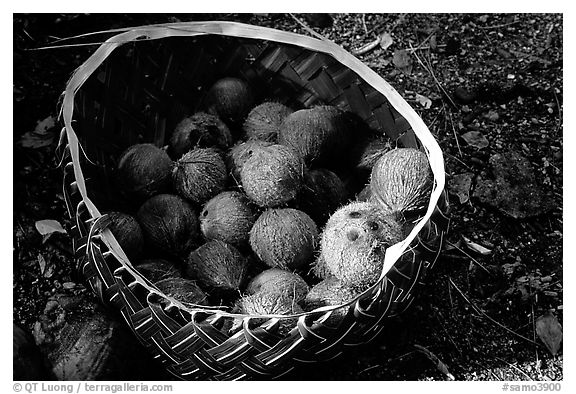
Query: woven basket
{"x": 135, "y": 88}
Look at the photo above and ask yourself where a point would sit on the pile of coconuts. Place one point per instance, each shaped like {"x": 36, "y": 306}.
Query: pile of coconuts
{"x": 261, "y": 208}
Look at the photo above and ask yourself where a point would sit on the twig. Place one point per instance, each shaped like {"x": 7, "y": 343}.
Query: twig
{"x": 481, "y": 312}
{"x": 498, "y": 26}
{"x": 436, "y": 313}
{"x": 454, "y": 132}
{"x": 426, "y": 47}
{"x": 470, "y": 257}
{"x": 559, "y": 114}
{"x": 437, "y": 362}
{"x": 431, "y": 72}
{"x": 308, "y": 28}
{"x": 515, "y": 367}
{"x": 531, "y": 57}
{"x": 367, "y": 47}
{"x": 364, "y": 24}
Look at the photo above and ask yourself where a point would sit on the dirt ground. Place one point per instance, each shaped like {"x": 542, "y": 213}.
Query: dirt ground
{"x": 490, "y": 89}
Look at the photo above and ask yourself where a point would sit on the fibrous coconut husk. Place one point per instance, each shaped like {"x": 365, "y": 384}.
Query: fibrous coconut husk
{"x": 279, "y": 281}
{"x": 317, "y": 134}
{"x": 144, "y": 170}
{"x": 200, "y": 174}
{"x": 263, "y": 122}
{"x": 284, "y": 238}
{"x": 127, "y": 232}
{"x": 185, "y": 291}
{"x": 199, "y": 130}
{"x": 402, "y": 181}
{"x": 241, "y": 152}
{"x": 272, "y": 176}
{"x": 228, "y": 217}
{"x": 170, "y": 224}
{"x": 157, "y": 269}
{"x": 330, "y": 292}
{"x": 322, "y": 193}
{"x": 355, "y": 240}
{"x": 230, "y": 99}
{"x": 218, "y": 265}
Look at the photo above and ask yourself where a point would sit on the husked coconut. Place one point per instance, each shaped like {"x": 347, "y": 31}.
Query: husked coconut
{"x": 402, "y": 180}
{"x": 284, "y": 238}
{"x": 279, "y": 280}
{"x": 272, "y": 176}
{"x": 218, "y": 266}
{"x": 264, "y": 120}
{"x": 228, "y": 217}
{"x": 200, "y": 174}
{"x": 170, "y": 225}
{"x": 199, "y": 130}
{"x": 144, "y": 170}
{"x": 230, "y": 99}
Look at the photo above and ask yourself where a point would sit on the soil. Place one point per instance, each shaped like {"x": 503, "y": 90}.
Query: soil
{"x": 499, "y": 76}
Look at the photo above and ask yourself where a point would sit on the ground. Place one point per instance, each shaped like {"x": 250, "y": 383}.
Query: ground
{"x": 490, "y": 89}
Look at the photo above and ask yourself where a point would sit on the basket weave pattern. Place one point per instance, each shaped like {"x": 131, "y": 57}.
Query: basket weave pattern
{"x": 138, "y": 94}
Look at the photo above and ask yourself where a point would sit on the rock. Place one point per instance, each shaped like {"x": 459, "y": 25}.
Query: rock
{"x": 459, "y": 185}
{"x": 475, "y": 139}
{"x": 86, "y": 342}
{"x": 464, "y": 96}
{"x": 28, "y": 363}
{"x": 513, "y": 189}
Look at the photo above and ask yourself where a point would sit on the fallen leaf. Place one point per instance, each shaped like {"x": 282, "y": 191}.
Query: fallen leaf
{"x": 41, "y": 263}
{"x": 476, "y": 247}
{"x": 460, "y": 185}
{"x": 43, "y": 135}
{"x": 423, "y": 101}
{"x": 386, "y": 41}
{"x": 475, "y": 139}
{"x": 403, "y": 60}
{"x": 48, "y": 227}
{"x": 549, "y": 331}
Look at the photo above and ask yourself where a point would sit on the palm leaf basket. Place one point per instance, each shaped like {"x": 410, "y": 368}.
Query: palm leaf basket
{"x": 134, "y": 88}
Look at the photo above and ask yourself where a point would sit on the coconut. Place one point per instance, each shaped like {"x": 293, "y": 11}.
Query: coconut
{"x": 217, "y": 265}
{"x": 279, "y": 281}
{"x": 318, "y": 134}
{"x": 354, "y": 242}
{"x": 157, "y": 269}
{"x": 284, "y": 238}
{"x": 268, "y": 303}
{"x": 272, "y": 175}
{"x": 144, "y": 170}
{"x": 402, "y": 180}
{"x": 330, "y": 292}
{"x": 200, "y": 130}
{"x": 170, "y": 225}
{"x": 127, "y": 232}
{"x": 183, "y": 290}
{"x": 264, "y": 120}
{"x": 228, "y": 217}
{"x": 241, "y": 152}
{"x": 200, "y": 174}
{"x": 371, "y": 152}
{"x": 322, "y": 193}
{"x": 230, "y": 99}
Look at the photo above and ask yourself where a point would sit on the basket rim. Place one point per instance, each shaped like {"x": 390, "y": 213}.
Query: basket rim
{"x": 242, "y": 30}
